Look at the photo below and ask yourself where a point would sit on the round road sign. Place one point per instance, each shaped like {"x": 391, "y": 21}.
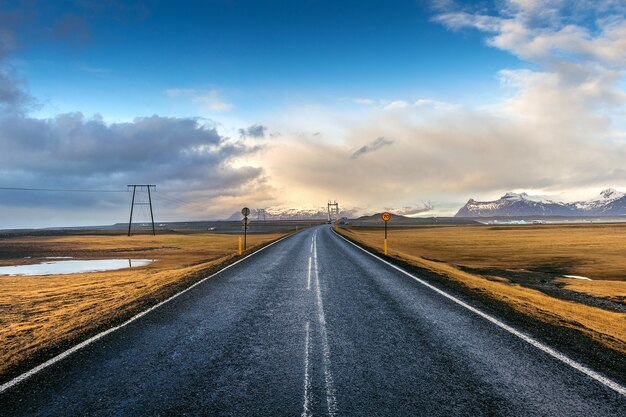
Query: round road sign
{"x": 386, "y": 216}
{"x": 245, "y": 211}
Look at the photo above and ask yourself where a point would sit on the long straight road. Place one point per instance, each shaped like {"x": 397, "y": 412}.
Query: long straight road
{"x": 311, "y": 326}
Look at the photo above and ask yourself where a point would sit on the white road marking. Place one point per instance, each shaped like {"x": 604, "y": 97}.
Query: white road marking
{"x": 92, "y": 339}
{"x": 307, "y": 378}
{"x": 331, "y": 400}
{"x": 557, "y": 355}
{"x": 308, "y": 276}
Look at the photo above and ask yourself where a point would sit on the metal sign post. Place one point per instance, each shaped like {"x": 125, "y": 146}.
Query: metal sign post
{"x": 245, "y": 211}
{"x": 386, "y": 216}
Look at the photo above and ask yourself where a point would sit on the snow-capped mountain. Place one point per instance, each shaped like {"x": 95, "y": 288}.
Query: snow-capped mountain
{"x": 287, "y": 213}
{"x": 610, "y": 202}
{"x": 321, "y": 213}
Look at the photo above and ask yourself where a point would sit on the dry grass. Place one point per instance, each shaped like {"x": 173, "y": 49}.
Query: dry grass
{"x": 594, "y": 251}
{"x": 572, "y": 250}
{"x": 39, "y": 313}
{"x": 612, "y": 290}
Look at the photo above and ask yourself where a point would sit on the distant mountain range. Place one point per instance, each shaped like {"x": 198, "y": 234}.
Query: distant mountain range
{"x": 284, "y": 213}
{"x": 610, "y": 202}
{"x": 375, "y": 220}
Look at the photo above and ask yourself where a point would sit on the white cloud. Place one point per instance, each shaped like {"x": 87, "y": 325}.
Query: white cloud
{"x": 396, "y": 105}
{"x": 399, "y": 104}
{"x": 365, "y": 101}
{"x": 557, "y": 129}
{"x": 434, "y": 104}
{"x": 547, "y": 31}
{"x": 207, "y": 100}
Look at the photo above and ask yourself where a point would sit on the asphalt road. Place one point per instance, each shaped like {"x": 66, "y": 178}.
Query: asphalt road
{"x": 311, "y": 326}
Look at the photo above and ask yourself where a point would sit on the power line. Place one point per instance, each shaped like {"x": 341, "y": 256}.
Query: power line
{"x": 180, "y": 203}
{"x": 62, "y": 190}
{"x": 171, "y": 200}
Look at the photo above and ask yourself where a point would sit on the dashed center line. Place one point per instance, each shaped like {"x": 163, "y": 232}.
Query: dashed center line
{"x": 306, "y": 412}
{"x": 308, "y": 276}
{"x": 331, "y": 400}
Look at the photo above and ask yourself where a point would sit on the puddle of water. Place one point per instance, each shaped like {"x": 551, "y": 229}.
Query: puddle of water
{"x": 73, "y": 267}
{"x": 577, "y": 277}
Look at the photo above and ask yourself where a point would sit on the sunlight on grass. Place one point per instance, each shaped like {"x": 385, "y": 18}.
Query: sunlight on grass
{"x": 41, "y": 312}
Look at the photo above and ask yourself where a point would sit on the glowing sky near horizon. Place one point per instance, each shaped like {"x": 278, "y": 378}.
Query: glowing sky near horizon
{"x": 379, "y": 105}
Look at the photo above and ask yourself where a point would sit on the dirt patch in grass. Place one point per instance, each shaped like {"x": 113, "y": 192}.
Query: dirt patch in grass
{"x": 42, "y": 315}
{"x": 452, "y": 252}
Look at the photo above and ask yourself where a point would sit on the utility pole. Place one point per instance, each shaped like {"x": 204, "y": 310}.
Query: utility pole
{"x": 332, "y": 208}
{"x": 133, "y": 204}
{"x": 151, "y": 212}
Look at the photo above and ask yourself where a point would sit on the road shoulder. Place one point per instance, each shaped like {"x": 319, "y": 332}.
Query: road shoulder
{"x": 566, "y": 340}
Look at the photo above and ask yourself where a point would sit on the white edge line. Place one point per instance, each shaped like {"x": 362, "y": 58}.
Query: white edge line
{"x": 557, "y": 355}
{"x": 92, "y": 339}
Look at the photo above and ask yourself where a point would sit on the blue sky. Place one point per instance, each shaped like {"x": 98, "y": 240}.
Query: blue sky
{"x": 381, "y": 105}
{"x": 258, "y": 55}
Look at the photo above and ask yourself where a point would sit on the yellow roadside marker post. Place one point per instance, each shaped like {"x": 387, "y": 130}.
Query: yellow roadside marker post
{"x": 240, "y": 249}
{"x": 386, "y": 216}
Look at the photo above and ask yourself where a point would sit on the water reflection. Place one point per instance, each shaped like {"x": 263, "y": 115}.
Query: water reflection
{"x": 73, "y": 266}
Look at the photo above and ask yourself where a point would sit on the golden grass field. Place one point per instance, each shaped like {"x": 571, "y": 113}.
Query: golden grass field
{"x": 39, "y": 313}
{"x": 594, "y": 251}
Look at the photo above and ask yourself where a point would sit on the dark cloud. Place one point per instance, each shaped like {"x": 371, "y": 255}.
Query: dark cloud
{"x": 37, "y": 22}
{"x": 190, "y": 162}
{"x": 13, "y": 97}
{"x": 253, "y": 131}
{"x": 13, "y": 94}
{"x": 71, "y": 151}
{"x": 7, "y": 33}
{"x": 371, "y": 147}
